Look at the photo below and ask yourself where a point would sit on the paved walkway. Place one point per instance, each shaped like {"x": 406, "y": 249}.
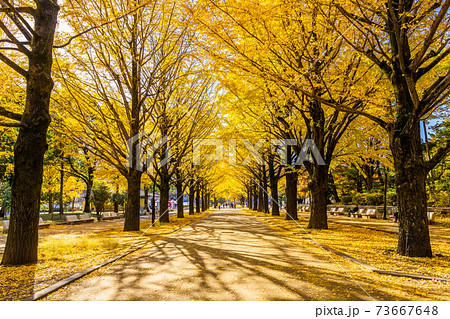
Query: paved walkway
{"x": 225, "y": 256}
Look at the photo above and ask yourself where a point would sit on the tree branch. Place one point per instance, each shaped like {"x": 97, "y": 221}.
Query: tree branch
{"x": 417, "y": 60}
{"x": 11, "y": 124}
{"x": 27, "y": 10}
{"x": 13, "y": 65}
{"x": 440, "y": 154}
{"x": 11, "y": 115}
{"x": 21, "y": 23}
{"x": 13, "y": 38}
{"x": 431, "y": 94}
{"x": 100, "y": 25}
{"x": 422, "y": 71}
{"x": 339, "y": 107}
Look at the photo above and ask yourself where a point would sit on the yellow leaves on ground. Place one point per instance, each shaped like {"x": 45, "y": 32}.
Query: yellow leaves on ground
{"x": 377, "y": 249}
{"x": 62, "y": 255}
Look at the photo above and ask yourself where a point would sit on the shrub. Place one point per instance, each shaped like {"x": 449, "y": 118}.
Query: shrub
{"x": 359, "y": 199}
{"x": 100, "y": 195}
{"x": 118, "y": 199}
{"x": 374, "y": 199}
{"x": 5, "y": 195}
{"x": 440, "y": 198}
{"x": 346, "y": 199}
{"x": 391, "y": 198}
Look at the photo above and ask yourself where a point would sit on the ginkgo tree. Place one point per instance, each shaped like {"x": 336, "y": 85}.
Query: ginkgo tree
{"x": 242, "y": 103}
{"x": 27, "y": 41}
{"x": 129, "y": 53}
{"x": 127, "y": 89}
{"x": 407, "y": 41}
{"x": 28, "y": 51}
{"x": 183, "y": 113}
{"x": 307, "y": 69}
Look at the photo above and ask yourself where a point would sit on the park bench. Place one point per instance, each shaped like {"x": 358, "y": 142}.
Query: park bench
{"x": 430, "y": 216}
{"x": 371, "y": 213}
{"x": 72, "y": 219}
{"x": 339, "y": 211}
{"x": 5, "y": 226}
{"x": 332, "y": 210}
{"x": 85, "y": 218}
{"x": 115, "y": 216}
{"x": 359, "y": 213}
{"x": 42, "y": 224}
{"x": 110, "y": 216}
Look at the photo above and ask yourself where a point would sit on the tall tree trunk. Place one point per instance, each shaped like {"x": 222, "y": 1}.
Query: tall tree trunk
{"x": 50, "y": 205}
{"x": 275, "y": 199}
{"x": 368, "y": 180}
{"x": 319, "y": 191}
{"x": 197, "y": 199}
{"x": 291, "y": 176}
{"x": 31, "y": 144}
{"x": 154, "y": 201}
{"x": 427, "y": 148}
{"x": 273, "y": 181}
{"x": 250, "y": 197}
{"x": 260, "y": 199}
{"x": 265, "y": 193}
{"x": 180, "y": 196}
{"x": 89, "y": 184}
{"x": 255, "y": 197}
{"x": 133, "y": 207}
{"x": 191, "y": 196}
{"x": 203, "y": 199}
{"x": 61, "y": 187}
{"x": 249, "y": 201}
{"x": 116, "y": 207}
{"x": 291, "y": 194}
{"x": 385, "y": 193}
{"x": 333, "y": 188}
{"x": 164, "y": 193}
{"x": 410, "y": 181}
{"x": 146, "y": 199}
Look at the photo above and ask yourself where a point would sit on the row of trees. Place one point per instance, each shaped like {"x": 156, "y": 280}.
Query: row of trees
{"x": 314, "y": 70}
{"x": 350, "y": 76}
{"x": 125, "y": 69}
